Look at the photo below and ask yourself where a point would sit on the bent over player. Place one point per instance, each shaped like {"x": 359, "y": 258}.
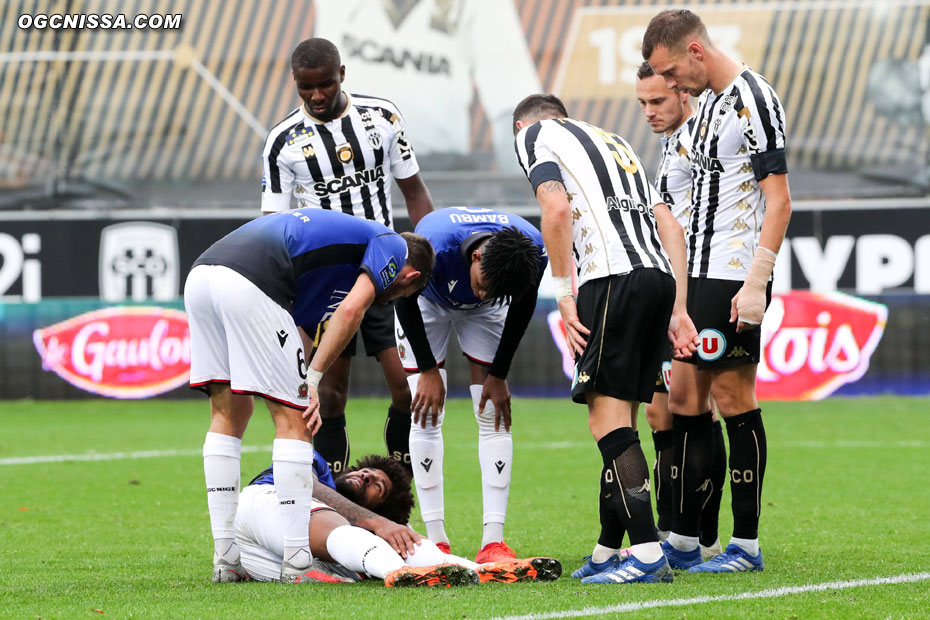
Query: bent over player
{"x": 244, "y": 297}
{"x": 598, "y": 206}
{"x": 741, "y": 208}
{"x": 342, "y": 152}
{"x": 488, "y": 268}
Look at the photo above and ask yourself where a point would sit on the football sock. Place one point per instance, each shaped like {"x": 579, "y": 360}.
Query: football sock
{"x": 612, "y": 528}
{"x": 495, "y": 455}
{"x": 647, "y": 552}
{"x": 397, "y": 436}
{"x": 683, "y": 543}
{"x": 293, "y": 460}
{"x": 332, "y": 443}
{"x": 221, "y": 455}
{"x": 426, "y": 452}
{"x": 718, "y": 477}
{"x": 627, "y": 475}
{"x": 602, "y": 554}
{"x": 750, "y": 546}
{"x": 694, "y": 456}
{"x": 747, "y": 469}
{"x": 664, "y": 444}
{"x": 427, "y": 554}
{"x": 360, "y": 550}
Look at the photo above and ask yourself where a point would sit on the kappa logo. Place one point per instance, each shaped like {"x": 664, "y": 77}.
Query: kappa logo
{"x": 712, "y": 345}
{"x": 645, "y": 487}
{"x": 584, "y": 377}
{"x": 500, "y": 465}
{"x": 452, "y": 284}
{"x": 282, "y": 337}
{"x": 738, "y": 352}
{"x": 426, "y": 463}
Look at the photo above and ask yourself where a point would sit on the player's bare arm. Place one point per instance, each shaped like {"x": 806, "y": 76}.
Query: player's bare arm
{"x": 417, "y": 196}
{"x": 556, "y": 228}
{"x": 681, "y": 330}
{"x": 748, "y": 305}
{"x": 401, "y": 538}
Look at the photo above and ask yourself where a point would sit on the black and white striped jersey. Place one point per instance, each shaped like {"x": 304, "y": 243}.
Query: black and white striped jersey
{"x": 613, "y": 222}
{"x": 673, "y": 178}
{"x": 738, "y": 139}
{"x": 346, "y": 164}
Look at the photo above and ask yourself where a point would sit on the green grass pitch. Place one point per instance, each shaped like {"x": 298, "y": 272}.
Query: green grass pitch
{"x": 845, "y": 498}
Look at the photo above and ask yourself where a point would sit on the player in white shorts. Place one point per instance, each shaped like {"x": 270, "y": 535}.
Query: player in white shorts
{"x": 488, "y": 268}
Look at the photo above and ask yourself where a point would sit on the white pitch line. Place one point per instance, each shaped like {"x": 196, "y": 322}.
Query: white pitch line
{"x": 699, "y": 600}
{"x": 114, "y": 456}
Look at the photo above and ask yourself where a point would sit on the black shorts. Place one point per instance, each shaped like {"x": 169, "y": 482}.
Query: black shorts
{"x": 628, "y": 317}
{"x": 377, "y": 331}
{"x": 663, "y": 378}
{"x": 720, "y": 346}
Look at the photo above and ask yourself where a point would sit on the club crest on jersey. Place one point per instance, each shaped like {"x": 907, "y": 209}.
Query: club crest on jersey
{"x": 374, "y": 138}
{"x": 303, "y": 390}
{"x": 711, "y": 345}
{"x": 389, "y": 272}
{"x": 344, "y": 153}
{"x": 703, "y": 127}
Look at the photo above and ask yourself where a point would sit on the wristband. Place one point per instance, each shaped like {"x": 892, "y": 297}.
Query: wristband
{"x": 313, "y": 378}
{"x": 563, "y": 287}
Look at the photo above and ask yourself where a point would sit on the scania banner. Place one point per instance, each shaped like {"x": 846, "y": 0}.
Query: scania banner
{"x": 812, "y": 343}
{"x": 122, "y": 352}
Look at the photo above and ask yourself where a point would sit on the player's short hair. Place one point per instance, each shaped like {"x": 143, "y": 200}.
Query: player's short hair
{"x": 313, "y": 53}
{"x": 645, "y": 70}
{"x": 537, "y": 106}
{"x": 510, "y": 263}
{"x": 671, "y": 29}
{"x": 420, "y": 256}
{"x": 399, "y": 502}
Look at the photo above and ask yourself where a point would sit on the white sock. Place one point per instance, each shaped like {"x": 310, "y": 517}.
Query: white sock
{"x": 221, "y": 472}
{"x": 683, "y": 543}
{"x": 647, "y": 552}
{"x": 495, "y": 455}
{"x": 750, "y": 546}
{"x": 426, "y": 452}
{"x": 602, "y": 553}
{"x": 362, "y": 551}
{"x": 428, "y": 554}
{"x": 293, "y": 484}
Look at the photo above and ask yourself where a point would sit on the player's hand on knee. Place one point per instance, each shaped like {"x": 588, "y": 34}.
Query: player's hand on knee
{"x": 401, "y": 538}
{"x": 430, "y": 397}
{"x": 497, "y": 391}
{"x": 575, "y": 332}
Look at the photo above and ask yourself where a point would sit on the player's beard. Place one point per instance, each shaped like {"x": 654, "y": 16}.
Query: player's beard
{"x": 349, "y": 490}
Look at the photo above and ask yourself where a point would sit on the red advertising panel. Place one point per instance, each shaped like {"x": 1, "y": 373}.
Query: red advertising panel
{"x": 122, "y": 352}
{"x": 812, "y": 343}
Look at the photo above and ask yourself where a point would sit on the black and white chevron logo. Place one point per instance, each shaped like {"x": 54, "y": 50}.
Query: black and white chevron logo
{"x": 500, "y": 466}
{"x": 426, "y": 463}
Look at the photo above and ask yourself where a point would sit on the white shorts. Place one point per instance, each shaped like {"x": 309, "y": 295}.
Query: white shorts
{"x": 241, "y": 337}
{"x": 478, "y": 331}
{"x": 258, "y": 533}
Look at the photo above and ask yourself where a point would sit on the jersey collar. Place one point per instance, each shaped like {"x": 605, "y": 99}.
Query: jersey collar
{"x": 316, "y": 121}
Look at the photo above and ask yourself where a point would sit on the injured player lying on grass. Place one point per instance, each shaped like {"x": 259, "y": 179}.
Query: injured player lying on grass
{"x": 356, "y": 533}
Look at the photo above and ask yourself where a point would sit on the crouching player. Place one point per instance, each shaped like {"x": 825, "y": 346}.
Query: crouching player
{"x": 488, "y": 268}
{"x": 355, "y": 533}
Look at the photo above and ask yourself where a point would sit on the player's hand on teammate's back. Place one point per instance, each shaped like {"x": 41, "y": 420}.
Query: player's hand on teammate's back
{"x": 575, "y": 332}
{"x": 747, "y": 306}
{"x": 498, "y": 392}
{"x": 430, "y": 397}
{"x": 311, "y": 414}
{"x": 401, "y": 538}
{"x": 683, "y": 335}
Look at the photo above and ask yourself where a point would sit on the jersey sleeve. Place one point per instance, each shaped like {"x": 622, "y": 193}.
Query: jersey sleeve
{"x": 403, "y": 162}
{"x": 384, "y": 258}
{"x": 538, "y": 161}
{"x": 277, "y": 178}
{"x": 762, "y": 124}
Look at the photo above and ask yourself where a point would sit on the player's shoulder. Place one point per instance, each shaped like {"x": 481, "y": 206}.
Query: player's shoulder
{"x": 386, "y": 108}
{"x": 283, "y": 127}
{"x": 755, "y": 88}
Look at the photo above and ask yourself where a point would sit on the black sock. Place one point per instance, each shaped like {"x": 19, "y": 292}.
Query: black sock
{"x": 612, "y": 529}
{"x": 664, "y": 443}
{"x": 718, "y": 477}
{"x": 626, "y": 475}
{"x": 397, "y": 436}
{"x": 694, "y": 456}
{"x": 747, "y": 469}
{"x": 332, "y": 443}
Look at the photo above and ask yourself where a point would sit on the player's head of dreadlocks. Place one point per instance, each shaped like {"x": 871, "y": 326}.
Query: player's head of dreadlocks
{"x": 509, "y": 264}
{"x": 314, "y": 53}
{"x": 537, "y": 107}
{"x": 398, "y": 502}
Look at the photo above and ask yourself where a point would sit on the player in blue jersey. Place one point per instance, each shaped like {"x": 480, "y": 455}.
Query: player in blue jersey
{"x": 245, "y": 297}
{"x": 488, "y": 268}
